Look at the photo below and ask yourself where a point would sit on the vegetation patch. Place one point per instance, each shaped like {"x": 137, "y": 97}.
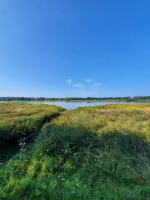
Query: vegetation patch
{"x": 22, "y": 120}
{"x": 84, "y": 154}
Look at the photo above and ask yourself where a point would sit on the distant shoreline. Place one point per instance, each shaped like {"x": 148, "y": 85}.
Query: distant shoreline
{"x": 78, "y": 99}
{"x": 75, "y": 101}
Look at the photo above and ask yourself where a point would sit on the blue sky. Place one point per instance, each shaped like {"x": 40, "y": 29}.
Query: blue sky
{"x": 77, "y": 48}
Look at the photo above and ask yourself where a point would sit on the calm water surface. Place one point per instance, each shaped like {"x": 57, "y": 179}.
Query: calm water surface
{"x": 75, "y": 104}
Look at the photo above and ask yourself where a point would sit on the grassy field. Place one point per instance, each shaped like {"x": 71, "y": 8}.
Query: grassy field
{"x": 100, "y": 152}
{"x": 19, "y": 122}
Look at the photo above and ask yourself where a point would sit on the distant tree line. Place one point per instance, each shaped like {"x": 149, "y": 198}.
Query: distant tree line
{"x": 128, "y": 98}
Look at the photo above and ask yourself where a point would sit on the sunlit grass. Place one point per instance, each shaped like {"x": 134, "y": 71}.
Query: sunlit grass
{"x": 18, "y": 120}
{"x": 99, "y": 152}
{"x": 22, "y": 122}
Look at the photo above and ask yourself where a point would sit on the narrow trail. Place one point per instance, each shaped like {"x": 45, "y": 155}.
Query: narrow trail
{"x": 14, "y": 149}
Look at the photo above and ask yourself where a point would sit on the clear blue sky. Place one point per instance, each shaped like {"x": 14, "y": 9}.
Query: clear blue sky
{"x": 74, "y": 48}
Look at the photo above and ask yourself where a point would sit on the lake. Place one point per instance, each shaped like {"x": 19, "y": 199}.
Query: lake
{"x": 74, "y": 104}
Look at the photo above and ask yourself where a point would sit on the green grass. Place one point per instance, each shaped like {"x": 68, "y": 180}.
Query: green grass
{"x": 21, "y": 120}
{"x": 100, "y": 152}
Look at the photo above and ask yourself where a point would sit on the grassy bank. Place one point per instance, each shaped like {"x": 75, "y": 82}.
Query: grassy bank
{"x": 18, "y": 121}
{"x": 100, "y": 152}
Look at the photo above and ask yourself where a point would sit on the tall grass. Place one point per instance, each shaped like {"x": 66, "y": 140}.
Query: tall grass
{"x": 19, "y": 123}
{"x": 89, "y": 153}
{"x": 20, "y": 120}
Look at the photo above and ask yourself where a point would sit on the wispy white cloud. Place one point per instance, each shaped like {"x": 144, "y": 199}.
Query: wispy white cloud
{"x": 88, "y": 80}
{"x": 80, "y": 85}
{"x": 97, "y": 84}
{"x": 69, "y": 81}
